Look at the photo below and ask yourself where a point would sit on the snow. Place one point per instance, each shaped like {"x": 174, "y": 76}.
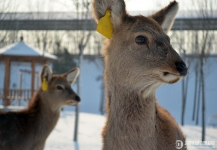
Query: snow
{"x": 23, "y": 49}
{"x": 90, "y": 128}
{"x": 193, "y": 133}
{"x": 89, "y": 135}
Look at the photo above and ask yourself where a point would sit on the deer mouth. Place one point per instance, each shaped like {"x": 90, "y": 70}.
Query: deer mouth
{"x": 168, "y": 73}
{"x": 72, "y": 102}
{"x": 169, "y": 77}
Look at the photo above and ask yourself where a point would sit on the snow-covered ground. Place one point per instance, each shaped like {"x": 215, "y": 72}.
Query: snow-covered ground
{"x": 90, "y": 127}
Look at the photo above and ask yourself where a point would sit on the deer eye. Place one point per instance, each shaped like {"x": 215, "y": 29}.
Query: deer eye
{"x": 141, "y": 39}
{"x": 59, "y": 87}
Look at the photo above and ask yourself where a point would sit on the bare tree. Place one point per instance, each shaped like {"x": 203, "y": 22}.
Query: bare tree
{"x": 198, "y": 45}
{"x": 184, "y": 89}
{"x": 181, "y": 44}
{"x": 203, "y": 40}
{"x": 7, "y": 37}
{"x": 45, "y": 39}
{"x": 82, "y": 39}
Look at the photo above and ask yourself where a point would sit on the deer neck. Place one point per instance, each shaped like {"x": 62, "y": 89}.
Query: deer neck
{"x": 131, "y": 117}
{"x": 132, "y": 107}
{"x": 42, "y": 116}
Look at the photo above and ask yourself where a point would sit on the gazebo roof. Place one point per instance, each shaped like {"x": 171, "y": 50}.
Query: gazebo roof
{"x": 25, "y": 50}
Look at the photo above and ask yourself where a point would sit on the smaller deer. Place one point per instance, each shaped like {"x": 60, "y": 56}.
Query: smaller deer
{"x": 28, "y": 129}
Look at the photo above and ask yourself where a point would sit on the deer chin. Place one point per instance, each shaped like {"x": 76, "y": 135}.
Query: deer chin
{"x": 71, "y": 103}
{"x": 169, "y": 77}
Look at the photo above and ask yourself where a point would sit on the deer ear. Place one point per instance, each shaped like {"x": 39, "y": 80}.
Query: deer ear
{"x": 165, "y": 17}
{"x": 72, "y": 75}
{"x": 117, "y": 7}
{"x": 46, "y": 73}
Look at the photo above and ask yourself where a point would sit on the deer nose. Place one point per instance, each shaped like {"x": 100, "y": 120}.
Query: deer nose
{"x": 77, "y": 98}
{"x": 182, "y": 68}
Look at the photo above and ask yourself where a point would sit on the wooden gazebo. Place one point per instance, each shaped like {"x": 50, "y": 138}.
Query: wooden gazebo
{"x": 21, "y": 52}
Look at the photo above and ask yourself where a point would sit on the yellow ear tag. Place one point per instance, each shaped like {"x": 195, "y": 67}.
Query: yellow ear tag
{"x": 105, "y": 26}
{"x": 44, "y": 84}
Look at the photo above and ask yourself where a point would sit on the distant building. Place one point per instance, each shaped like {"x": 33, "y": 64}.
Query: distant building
{"x": 20, "y": 65}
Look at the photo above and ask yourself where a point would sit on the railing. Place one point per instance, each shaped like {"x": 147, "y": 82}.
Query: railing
{"x": 15, "y": 96}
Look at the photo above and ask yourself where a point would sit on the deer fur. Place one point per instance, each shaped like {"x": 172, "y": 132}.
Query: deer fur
{"x": 138, "y": 59}
{"x": 28, "y": 129}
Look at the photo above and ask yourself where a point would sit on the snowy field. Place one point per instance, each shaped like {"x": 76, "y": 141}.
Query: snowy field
{"x": 90, "y": 127}
{"x": 89, "y": 135}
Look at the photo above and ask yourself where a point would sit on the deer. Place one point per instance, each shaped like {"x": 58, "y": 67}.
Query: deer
{"x": 29, "y": 128}
{"x": 138, "y": 58}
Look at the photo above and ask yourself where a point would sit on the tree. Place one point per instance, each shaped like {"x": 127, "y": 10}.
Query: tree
{"x": 64, "y": 63}
{"x": 201, "y": 49}
{"x": 7, "y": 37}
{"x": 205, "y": 37}
{"x": 198, "y": 46}
{"x": 82, "y": 39}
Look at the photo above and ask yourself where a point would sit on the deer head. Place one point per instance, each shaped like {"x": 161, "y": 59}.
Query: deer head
{"x": 139, "y": 54}
{"x": 56, "y": 89}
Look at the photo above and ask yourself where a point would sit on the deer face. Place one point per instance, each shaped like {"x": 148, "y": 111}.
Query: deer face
{"x": 145, "y": 51}
{"x": 59, "y": 92}
{"x": 139, "y": 51}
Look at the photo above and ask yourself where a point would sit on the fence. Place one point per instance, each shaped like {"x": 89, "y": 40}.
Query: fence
{"x": 16, "y": 97}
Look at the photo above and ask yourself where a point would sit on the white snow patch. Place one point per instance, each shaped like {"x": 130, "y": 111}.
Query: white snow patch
{"x": 89, "y": 134}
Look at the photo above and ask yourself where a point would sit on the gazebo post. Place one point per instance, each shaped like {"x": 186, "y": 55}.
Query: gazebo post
{"x": 33, "y": 77}
{"x": 7, "y": 81}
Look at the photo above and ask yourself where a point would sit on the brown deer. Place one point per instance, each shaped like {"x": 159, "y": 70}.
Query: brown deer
{"x": 28, "y": 129}
{"x": 138, "y": 59}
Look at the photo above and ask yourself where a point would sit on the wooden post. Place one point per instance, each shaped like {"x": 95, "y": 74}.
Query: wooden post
{"x": 7, "y": 82}
{"x": 33, "y": 78}
{"x": 20, "y": 86}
